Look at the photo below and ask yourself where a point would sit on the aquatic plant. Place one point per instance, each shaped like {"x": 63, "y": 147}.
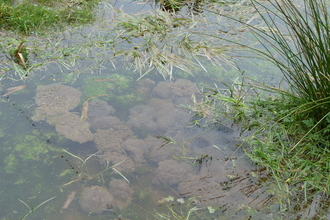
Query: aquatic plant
{"x": 119, "y": 90}
{"x": 193, "y": 6}
{"x": 158, "y": 41}
{"x": 32, "y": 208}
{"x": 163, "y": 41}
{"x": 170, "y": 5}
{"x": 84, "y": 173}
{"x": 181, "y": 209}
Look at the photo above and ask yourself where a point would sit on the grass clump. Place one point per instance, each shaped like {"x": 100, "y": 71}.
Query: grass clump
{"x": 297, "y": 42}
{"x": 301, "y": 53}
{"x": 27, "y": 17}
{"x": 163, "y": 41}
{"x": 32, "y": 208}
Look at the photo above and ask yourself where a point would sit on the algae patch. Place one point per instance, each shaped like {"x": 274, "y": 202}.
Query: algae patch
{"x": 27, "y": 148}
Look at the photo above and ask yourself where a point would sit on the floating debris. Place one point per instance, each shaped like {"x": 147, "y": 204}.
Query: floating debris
{"x": 14, "y": 89}
{"x": 69, "y": 200}
{"x": 86, "y": 105}
{"x": 18, "y": 55}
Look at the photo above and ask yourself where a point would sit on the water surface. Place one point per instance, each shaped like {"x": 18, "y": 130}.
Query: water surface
{"x": 129, "y": 149}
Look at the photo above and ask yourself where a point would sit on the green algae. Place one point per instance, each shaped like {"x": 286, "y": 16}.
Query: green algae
{"x": 11, "y": 163}
{"x": 27, "y": 148}
{"x": 110, "y": 85}
{"x": 119, "y": 89}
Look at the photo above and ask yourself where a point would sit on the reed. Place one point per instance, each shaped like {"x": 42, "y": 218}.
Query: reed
{"x": 297, "y": 42}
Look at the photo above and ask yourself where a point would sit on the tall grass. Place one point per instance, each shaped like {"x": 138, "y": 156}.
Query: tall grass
{"x": 300, "y": 38}
{"x": 26, "y": 17}
{"x": 294, "y": 36}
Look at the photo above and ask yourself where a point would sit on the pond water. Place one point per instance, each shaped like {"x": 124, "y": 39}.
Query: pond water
{"x": 85, "y": 140}
{"x": 162, "y": 162}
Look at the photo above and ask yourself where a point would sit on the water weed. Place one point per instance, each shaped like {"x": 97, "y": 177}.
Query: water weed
{"x": 32, "y": 208}
{"x": 180, "y": 209}
{"x": 84, "y": 173}
{"x": 163, "y": 41}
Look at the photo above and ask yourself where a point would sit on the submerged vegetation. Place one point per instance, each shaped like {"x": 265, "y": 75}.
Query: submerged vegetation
{"x": 27, "y": 148}
{"x": 164, "y": 41}
{"x": 32, "y": 208}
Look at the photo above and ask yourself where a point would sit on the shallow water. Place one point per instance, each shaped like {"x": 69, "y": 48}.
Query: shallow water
{"x": 190, "y": 169}
{"x": 136, "y": 154}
